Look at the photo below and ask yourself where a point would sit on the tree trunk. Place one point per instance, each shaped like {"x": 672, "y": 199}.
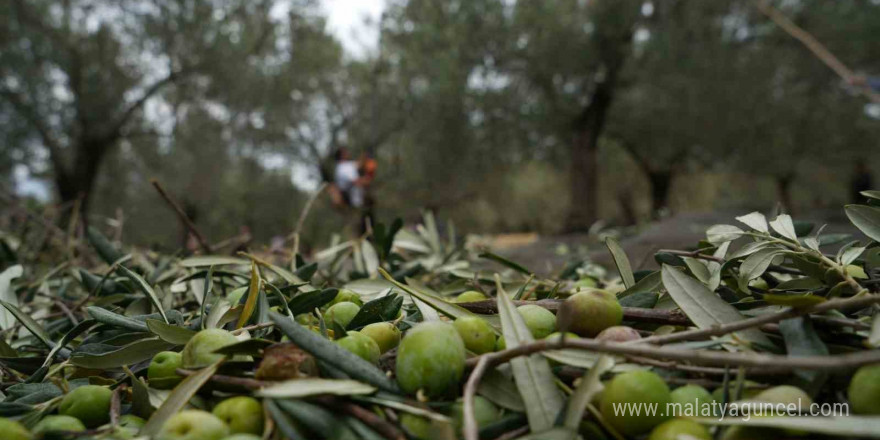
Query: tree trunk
{"x": 584, "y": 171}
{"x": 627, "y": 207}
{"x": 783, "y": 186}
{"x": 661, "y": 183}
{"x": 78, "y": 181}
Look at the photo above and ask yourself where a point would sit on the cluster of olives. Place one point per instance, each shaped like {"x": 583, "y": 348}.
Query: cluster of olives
{"x": 430, "y": 363}
{"x": 88, "y": 407}
{"x": 236, "y": 418}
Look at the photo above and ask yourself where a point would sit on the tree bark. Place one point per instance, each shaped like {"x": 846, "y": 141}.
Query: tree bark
{"x": 77, "y": 181}
{"x": 584, "y": 164}
{"x": 661, "y": 183}
{"x": 783, "y": 187}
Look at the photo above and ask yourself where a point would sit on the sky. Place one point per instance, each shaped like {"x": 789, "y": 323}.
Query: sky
{"x": 345, "y": 19}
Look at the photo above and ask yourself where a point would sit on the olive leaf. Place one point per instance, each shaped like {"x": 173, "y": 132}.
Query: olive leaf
{"x": 297, "y": 388}
{"x": 140, "y": 396}
{"x": 384, "y": 308}
{"x": 837, "y": 426}
{"x": 102, "y": 246}
{"x": 170, "y": 333}
{"x": 308, "y": 301}
{"x": 754, "y": 220}
{"x": 307, "y": 271}
{"x": 252, "y": 294}
{"x": 755, "y": 265}
{"x": 532, "y": 374}
{"x": 77, "y": 330}
{"x": 647, "y": 284}
{"x": 145, "y": 288}
{"x": 29, "y": 323}
{"x": 784, "y": 227}
{"x": 505, "y": 262}
{"x": 285, "y": 423}
{"x": 589, "y": 387}
{"x": 622, "y": 262}
{"x": 501, "y": 391}
{"x": 849, "y": 253}
{"x": 871, "y": 194}
{"x": 178, "y": 399}
{"x": 212, "y": 260}
{"x": 704, "y": 308}
{"x": 7, "y": 294}
{"x": 105, "y": 316}
{"x": 866, "y": 218}
{"x": 324, "y": 350}
{"x": 441, "y": 305}
{"x": 750, "y": 248}
{"x": 801, "y": 339}
{"x": 133, "y": 353}
{"x": 315, "y": 418}
{"x": 721, "y": 233}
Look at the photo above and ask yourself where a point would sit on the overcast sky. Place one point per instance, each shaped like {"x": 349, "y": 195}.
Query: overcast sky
{"x": 346, "y": 20}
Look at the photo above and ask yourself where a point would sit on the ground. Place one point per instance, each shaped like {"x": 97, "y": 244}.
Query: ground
{"x": 542, "y": 253}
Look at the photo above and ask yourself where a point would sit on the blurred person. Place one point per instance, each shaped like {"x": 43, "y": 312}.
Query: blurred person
{"x": 861, "y": 181}
{"x": 345, "y": 180}
{"x": 367, "y": 166}
{"x": 351, "y": 184}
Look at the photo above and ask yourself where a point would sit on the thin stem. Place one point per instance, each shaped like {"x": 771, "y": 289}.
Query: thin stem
{"x": 302, "y": 219}
{"x": 471, "y": 429}
{"x": 181, "y": 215}
{"x": 853, "y": 303}
{"x": 253, "y": 327}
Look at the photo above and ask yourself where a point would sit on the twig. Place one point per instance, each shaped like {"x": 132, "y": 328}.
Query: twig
{"x": 253, "y": 327}
{"x": 236, "y": 241}
{"x": 182, "y": 216}
{"x": 853, "y": 303}
{"x": 302, "y": 218}
{"x": 817, "y": 48}
{"x": 656, "y": 316}
{"x": 516, "y": 433}
{"x": 693, "y": 254}
{"x": 709, "y": 371}
{"x": 471, "y": 430}
{"x": 369, "y": 418}
{"x": 115, "y": 404}
{"x": 230, "y": 380}
{"x": 67, "y": 312}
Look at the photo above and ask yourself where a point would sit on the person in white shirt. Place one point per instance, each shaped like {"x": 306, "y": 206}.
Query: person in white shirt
{"x": 351, "y": 183}
{"x": 346, "y": 179}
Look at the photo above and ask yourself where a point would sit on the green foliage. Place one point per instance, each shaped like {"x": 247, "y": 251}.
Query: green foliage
{"x": 323, "y": 383}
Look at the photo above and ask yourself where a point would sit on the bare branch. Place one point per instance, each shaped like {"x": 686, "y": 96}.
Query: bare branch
{"x": 115, "y": 129}
{"x": 182, "y": 216}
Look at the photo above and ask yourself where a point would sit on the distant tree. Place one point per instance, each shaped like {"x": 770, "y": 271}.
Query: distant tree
{"x": 800, "y": 117}
{"x": 81, "y": 74}
{"x": 571, "y": 55}
{"x": 671, "y": 111}
{"x": 434, "y": 54}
